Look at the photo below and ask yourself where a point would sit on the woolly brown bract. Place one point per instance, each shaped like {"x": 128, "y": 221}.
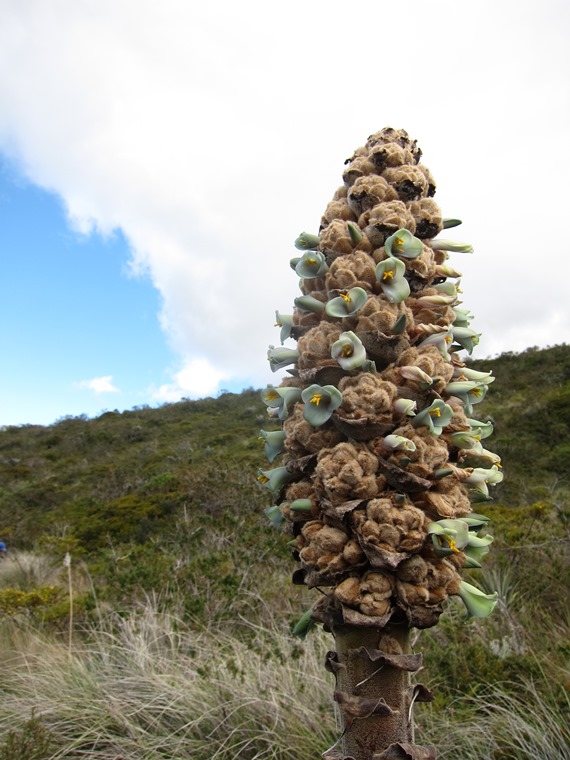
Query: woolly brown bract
{"x": 376, "y": 436}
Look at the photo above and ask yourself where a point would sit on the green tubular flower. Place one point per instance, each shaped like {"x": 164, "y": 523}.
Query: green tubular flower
{"x": 354, "y": 232}
{"x": 468, "y": 392}
{"x": 437, "y": 300}
{"x": 451, "y": 245}
{"x": 405, "y": 406}
{"x": 285, "y": 322}
{"x": 280, "y": 399}
{"x": 480, "y": 479}
{"x": 444, "y": 270}
{"x": 320, "y": 403}
{"x": 399, "y": 325}
{"x": 311, "y": 264}
{"x": 464, "y": 439}
{"x": 466, "y": 337}
{"x": 403, "y": 243}
{"x": 442, "y": 341}
{"x": 410, "y": 372}
{"x": 309, "y": 303}
{"x": 477, "y": 456}
{"x": 398, "y": 443}
{"x": 301, "y": 505}
{"x": 274, "y": 479}
{"x": 347, "y": 303}
{"x": 453, "y": 536}
{"x": 303, "y": 625}
{"x": 466, "y": 373}
{"x": 435, "y": 417}
{"x": 481, "y": 429}
{"x": 463, "y": 317}
{"x": 280, "y": 357}
{"x": 274, "y": 442}
{"x": 448, "y": 223}
{"x": 275, "y": 515}
{"x": 349, "y": 351}
{"x": 390, "y": 275}
{"x": 447, "y": 288}
{"x": 307, "y": 242}
{"x": 478, "y": 604}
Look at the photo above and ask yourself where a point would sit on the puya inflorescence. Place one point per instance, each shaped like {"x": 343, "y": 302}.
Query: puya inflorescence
{"x": 378, "y": 443}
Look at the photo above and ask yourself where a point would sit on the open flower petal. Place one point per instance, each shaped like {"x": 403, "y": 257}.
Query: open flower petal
{"x": 403, "y": 243}
{"x": 349, "y": 351}
{"x": 390, "y": 275}
{"x": 311, "y": 264}
{"x": 347, "y": 303}
{"x": 478, "y": 603}
{"x": 320, "y": 403}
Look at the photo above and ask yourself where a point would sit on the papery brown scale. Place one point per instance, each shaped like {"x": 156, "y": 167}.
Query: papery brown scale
{"x": 409, "y": 182}
{"x": 356, "y": 270}
{"x": 369, "y": 191}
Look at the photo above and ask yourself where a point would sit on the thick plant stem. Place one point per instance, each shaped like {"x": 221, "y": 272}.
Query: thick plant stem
{"x": 372, "y": 668}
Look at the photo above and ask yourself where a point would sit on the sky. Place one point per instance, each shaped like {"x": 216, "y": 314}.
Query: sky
{"x": 157, "y": 161}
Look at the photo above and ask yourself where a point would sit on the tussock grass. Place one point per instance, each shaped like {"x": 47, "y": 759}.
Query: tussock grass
{"x": 148, "y": 687}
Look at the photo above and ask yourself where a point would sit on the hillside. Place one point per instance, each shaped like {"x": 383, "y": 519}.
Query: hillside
{"x": 173, "y": 564}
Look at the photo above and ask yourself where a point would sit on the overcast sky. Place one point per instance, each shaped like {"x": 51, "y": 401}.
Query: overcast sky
{"x": 157, "y": 160}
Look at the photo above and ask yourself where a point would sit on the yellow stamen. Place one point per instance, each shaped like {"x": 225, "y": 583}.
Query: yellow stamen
{"x": 476, "y": 392}
{"x": 346, "y": 297}
{"x": 388, "y": 275}
{"x": 317, "y": 398}
{"x": 271, "y": 395}
{"x": 347, "y": 351}
{"x": 452, "y": 545}
{"x": 399, "y": 244}
{"x": 310, "y": 262}
{"x": 435, "y": 413}
{"x": 263, "y": 479}
{"x": 448, "y": 339}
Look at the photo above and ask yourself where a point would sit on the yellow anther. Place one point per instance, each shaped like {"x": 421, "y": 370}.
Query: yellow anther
{"x": 347, "y": 350}
{"x": 476, "y": 392}
{"x": 452, "y": 545}
{"x": 317, "y": 398}
{"x": 263, "y": 479}
{"x": 399, "y": 244}
{"x": 435, "y": 413}
{"x": 346, "y": 297}
{"x": 388, "y": 275}
{"x": 448, "y": 339}
{"x": 271, "y": 395}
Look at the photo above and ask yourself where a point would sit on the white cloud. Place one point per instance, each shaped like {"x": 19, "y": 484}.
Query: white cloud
{"x": 211, "y": 140}
{"x": 103, "y": 384}
{"x": 196, "y": 379}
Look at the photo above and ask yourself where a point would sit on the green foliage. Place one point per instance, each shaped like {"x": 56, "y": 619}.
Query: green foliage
{"x": 32, "y": 741}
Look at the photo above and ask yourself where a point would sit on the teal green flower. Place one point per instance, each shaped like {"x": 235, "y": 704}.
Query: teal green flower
{"x": 450, "y": 245}
{"x": 349, "y": 351}
{"x": 405, "y": 406}
{"x": 320, "y": 403}
{"x": 274, "y": 479}
{"x": 390, "y": 275}
{"x": 274, "y": 442}
{"x": 309, "y": 303}
{"x": 481, "y": 429}
{"x": 303, "y": 625}
{"x": 301, "y": 505}
{"x": 468, "y": 392}
{"x": 479, "y": 480}
{"x": 280, "y": 357}
{"x": 442, "y": 341}
{"x": 448, "y": 288}
{"x": 466, "y": 373}
{"x": 275, "y": 515}
{"x": 403, "y": 243}
{"x": 437, "y": 300}
{"x": 445, "y": 270}
{"x": 477, "y": 456}
{"x": 435, "y": 417}
{"x": 465, "y": 337}
{"x": 463, "y": 317}
{"x": 398, "y": 443}
{"x": 285, "y": 322}
{"x": 417, "y": 375}
{"x": 464, "y": 439}
{"x": 311, "y": 264}
{"x": 354, "y": 232}
{"x": 478, "y": 604}
{"x": 347, "y": 303}
{"x": 455, "y": 536}
{"x": 307, "y": 242}
{"x": 280, "y": 399}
